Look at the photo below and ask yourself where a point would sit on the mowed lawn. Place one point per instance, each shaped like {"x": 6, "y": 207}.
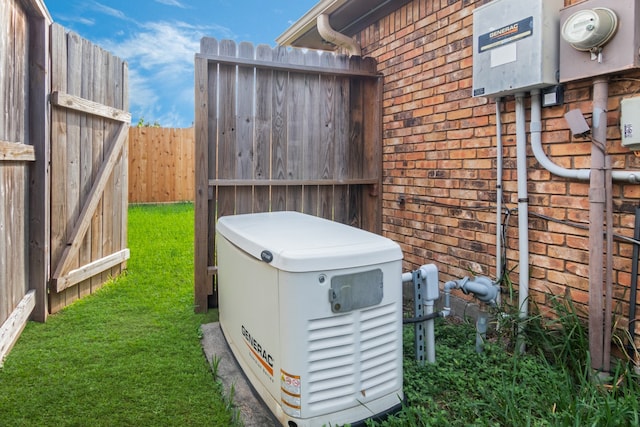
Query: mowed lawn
{"x": 130, "y": 354}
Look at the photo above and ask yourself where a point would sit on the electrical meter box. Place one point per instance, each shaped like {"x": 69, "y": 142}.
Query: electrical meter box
{"x": 515, "y": 46}
{"x": 621, "y": 51}
{"x": 630, "y": 123}
{"x": 312, "y": 311}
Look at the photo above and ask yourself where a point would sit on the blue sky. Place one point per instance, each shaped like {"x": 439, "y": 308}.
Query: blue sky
{"x": 159, "y": 38}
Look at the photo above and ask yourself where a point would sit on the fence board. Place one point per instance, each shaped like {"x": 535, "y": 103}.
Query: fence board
{"x": 279, "y": 125}
{"x": 340, "y": 192}
{"x": 281, "y": 139}
{"x": 72, "y": 187}
{"x": 16, "y": 152}
{"x": 226, "y": 167}
{"x": 39, "y": 173}
{"x": 202, "y": 207}
{"x": 262, "y": 137}
{"x": 108, "y": 196}
{"x": 58, "y": 158}
{"x": 294, "y": 151}
{"x": 327, "y": 133}
{"x": 124, "y": 174}
{"x": 244, "y": 130}
{"x": 12, "y": 327}
{"x": 97, "y": 149}
{"x": 86, "y": 154}
{"x": 311, "y": 134}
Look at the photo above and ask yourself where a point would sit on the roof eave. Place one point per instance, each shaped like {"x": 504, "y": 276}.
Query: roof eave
{"x": 308, "y": 22}
{"x": 348, "y": 17}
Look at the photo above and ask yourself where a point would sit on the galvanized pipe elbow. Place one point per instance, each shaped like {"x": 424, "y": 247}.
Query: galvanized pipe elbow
{"x": 482, "y": 288}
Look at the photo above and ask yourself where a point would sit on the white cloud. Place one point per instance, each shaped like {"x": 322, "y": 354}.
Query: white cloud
{"x": 99, "y": 7}
{"x": 79, "y": 20}
{"x": 160, "y": 57}
{"x": 157, "y": 44}
{"x": 142, "y": 97}
{"x": 175, "y": 3}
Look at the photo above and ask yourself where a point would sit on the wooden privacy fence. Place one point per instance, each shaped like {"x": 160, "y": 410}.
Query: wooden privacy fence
{"x": 63, "y": 174}
{"x": 283, "y": 129}
{"x": 161, "y": 165}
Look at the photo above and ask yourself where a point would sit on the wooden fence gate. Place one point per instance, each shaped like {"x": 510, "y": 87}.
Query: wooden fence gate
{"x": 283, "y": 129}
{"x": 89, "y": 131}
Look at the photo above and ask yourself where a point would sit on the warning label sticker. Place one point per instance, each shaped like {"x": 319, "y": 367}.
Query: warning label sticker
{"x": 290, "y": 389}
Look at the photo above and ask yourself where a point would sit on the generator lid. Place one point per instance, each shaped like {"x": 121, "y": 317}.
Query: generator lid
{"x": 296, "y": 242}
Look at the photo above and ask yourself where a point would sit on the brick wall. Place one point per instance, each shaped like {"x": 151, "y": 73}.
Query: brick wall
{"x": 440, "y": 160}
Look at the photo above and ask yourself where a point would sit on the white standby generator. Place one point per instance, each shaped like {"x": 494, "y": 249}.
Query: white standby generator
{"x": 312, "y": 311}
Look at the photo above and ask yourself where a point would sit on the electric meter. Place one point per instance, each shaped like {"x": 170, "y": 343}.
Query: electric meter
{"x": 590, "y": 28}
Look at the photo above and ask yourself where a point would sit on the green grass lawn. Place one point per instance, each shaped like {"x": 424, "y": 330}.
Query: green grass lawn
{"x": 128, "y": 355}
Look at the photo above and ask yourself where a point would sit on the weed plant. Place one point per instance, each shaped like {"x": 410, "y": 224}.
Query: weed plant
{"x": 548, "y": 385}
{"x": 128, "y": 355}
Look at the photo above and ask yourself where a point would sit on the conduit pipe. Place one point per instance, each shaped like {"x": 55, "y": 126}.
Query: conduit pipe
{"x": 523, "y": 210}
{"x": 499, "y": 163}
{"x": 633, "y": 297}
{"x": 608, "y": 293}
{"x": 632, "y": 177}
{"x": 333, "y": 36}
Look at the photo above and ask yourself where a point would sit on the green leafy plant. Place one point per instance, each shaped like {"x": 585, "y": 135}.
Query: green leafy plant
{"x": 547, "y": 385}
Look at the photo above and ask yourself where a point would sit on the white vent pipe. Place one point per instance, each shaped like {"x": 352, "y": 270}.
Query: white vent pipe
{"x": 523, "y": 211}
{"x": 630, "y": 176}
{"x": 338, "y": 39}
{"x": 499, "y": 192}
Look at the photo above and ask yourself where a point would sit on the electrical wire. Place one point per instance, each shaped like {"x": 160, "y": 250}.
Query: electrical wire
{"x": 420, "y": 319}
{"x": 505, "y": 225}
{"x": 583, "y": 227}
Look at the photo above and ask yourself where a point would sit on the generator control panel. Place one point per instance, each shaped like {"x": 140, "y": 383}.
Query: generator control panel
{"x": 515, "y": 46}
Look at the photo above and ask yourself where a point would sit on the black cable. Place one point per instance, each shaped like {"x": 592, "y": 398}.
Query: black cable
{"x": 410, "y": 320}
{"x": 422, "y": 201}
{"x": 583, "y": 227}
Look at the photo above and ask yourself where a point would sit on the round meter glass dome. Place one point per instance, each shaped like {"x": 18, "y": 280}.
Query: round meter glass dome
{"x": 590, "y": 28}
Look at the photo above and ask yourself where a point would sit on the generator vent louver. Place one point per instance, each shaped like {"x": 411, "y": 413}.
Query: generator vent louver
{"x": 334, "y": 382}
